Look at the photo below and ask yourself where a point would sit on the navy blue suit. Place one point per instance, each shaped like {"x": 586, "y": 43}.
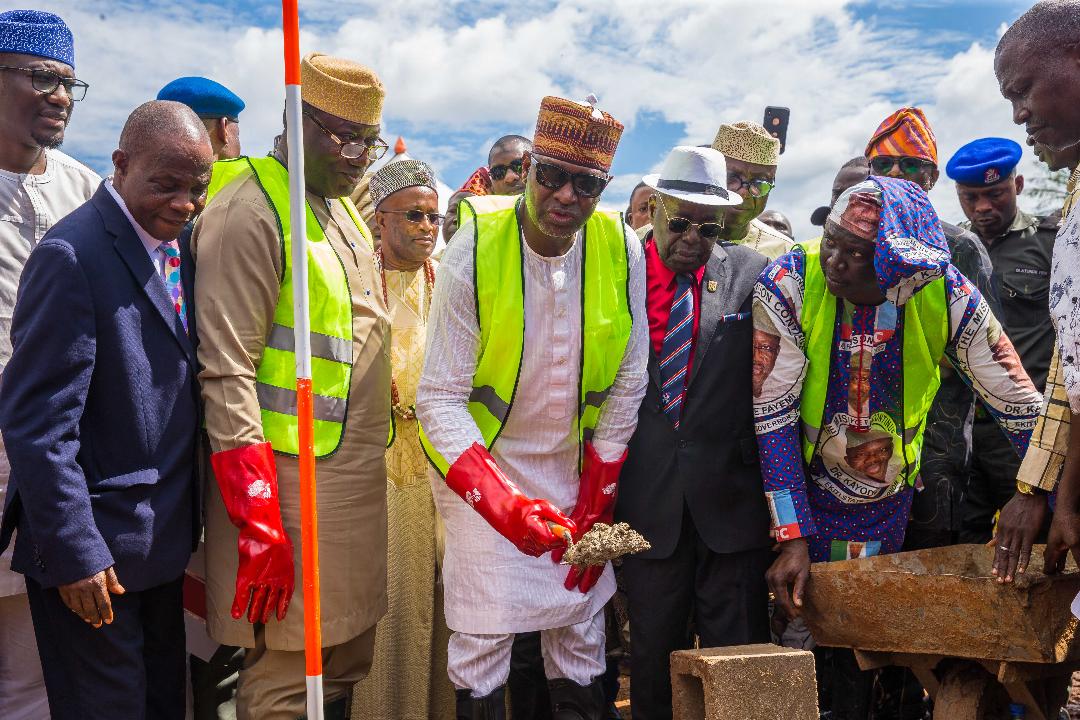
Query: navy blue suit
{"x": 99, "y": 414}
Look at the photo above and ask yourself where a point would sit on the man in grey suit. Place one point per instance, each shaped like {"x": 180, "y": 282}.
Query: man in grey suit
{"x": 691, "y": 483}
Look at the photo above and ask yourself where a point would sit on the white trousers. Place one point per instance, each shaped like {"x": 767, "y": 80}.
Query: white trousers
{"x": 22, "y": 687}
{"x": 481, "y": 663}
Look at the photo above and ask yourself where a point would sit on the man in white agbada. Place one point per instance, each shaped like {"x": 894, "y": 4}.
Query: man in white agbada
{"x": 536, "y": 364}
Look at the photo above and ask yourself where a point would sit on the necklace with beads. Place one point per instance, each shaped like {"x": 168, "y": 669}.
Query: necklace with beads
{"x": 405, "y": 412}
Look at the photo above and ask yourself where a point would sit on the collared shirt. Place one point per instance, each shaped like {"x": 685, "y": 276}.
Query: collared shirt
{"x": 29, "y": 206}
{"x": 765, "y": 240}
{"x": 660, "y": 293}
{"x": 152, "y": 244}
{"x": 1021, "y": 259}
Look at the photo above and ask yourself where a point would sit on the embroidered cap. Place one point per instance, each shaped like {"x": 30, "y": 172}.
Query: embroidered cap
{"x": 399, "y": 175}
{"x": 33, "y": 32}
{"x": 577, "y": 133}
{"x": 342, "y": 87}
{"x": 749, "y": 142}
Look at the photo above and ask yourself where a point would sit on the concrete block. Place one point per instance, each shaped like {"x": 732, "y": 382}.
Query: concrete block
{"x": 747, "y": 682}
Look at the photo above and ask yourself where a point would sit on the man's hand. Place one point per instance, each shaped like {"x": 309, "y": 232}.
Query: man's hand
{"x": 788, "y": 575}
{"x": 1017, "y": 526}
{"x": 1064, "y": 536}
{"x": 89, "y": 597}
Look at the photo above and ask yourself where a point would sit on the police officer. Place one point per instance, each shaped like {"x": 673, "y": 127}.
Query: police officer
{"x": 1020, "y": 248}
{"x": 218, "y": 106}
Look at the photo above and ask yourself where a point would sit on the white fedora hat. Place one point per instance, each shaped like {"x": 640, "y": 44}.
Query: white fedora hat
{"x": 694, "y": 174}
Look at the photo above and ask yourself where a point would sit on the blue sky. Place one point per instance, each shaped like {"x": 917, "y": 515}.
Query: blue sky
{"x": 459, "y": 74}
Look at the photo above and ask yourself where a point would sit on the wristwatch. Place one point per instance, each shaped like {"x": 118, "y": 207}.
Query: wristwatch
{"x": 1028, "y": 489}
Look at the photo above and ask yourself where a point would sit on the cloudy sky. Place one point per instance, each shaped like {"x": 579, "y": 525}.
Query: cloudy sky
{"x": 459, "y": 74}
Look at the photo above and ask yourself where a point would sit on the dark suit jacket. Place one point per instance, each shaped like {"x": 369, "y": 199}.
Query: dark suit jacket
{"x": 98, "y": 409}
{"x": 711, "y": 463}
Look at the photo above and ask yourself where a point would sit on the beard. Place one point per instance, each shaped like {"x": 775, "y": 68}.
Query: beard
{"x": 49, "y": 141}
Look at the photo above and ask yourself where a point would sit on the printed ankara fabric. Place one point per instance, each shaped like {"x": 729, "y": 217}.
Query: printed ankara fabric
{"x": 172, "y": 280}
{"x": 821, "y": 501}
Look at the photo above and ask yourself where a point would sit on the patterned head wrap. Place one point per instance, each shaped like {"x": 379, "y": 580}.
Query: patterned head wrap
{"x": 910, "y": 250}
{"x": 905, "y": 133}
{"x": 576, "y": 133}
{"x": 33, "y": 32}
{"x": 479, "y": 183}
{"x": 399, "y": 175}
{"x": 749, "y": 142}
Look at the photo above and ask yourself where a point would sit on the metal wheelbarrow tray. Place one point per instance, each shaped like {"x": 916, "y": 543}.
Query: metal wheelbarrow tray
{"x": 928, "y": 609}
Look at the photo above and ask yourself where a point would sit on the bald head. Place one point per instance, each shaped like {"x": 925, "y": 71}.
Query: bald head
{"x": 162, "y": 167}
{"x": 1050, "y": 25}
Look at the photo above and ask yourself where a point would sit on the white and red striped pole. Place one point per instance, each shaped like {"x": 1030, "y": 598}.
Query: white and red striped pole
{"x": 309, "y": 516}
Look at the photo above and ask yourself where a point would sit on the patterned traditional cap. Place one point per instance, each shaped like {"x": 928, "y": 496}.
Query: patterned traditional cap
{"x": 341, "y": 87}
{"x": 984, "y": 162}
{"x": 905, "y": 133}
{"x": 479, "y": 183}
{"x": 910, "y": 250}
{"x": 207, "y": 98}
{"x": 749, "y": 142}
{"x": 576, "y": 133}
{"x": 394, "y": 176}
{"x": 32, "y": 32}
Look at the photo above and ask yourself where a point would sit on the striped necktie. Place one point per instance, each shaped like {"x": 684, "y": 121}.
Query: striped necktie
{"x": 675, "y": 351}
{"x": 171, "y": 251}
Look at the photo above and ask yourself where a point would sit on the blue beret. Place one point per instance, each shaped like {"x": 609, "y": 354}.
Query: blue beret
{"x": 32, "y": 32}
{"x": 983, "y": 162}
{"x": 207, "y": 98}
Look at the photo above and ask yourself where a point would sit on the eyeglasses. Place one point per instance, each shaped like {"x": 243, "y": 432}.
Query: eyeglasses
{"x": 554, "y": 177}
{"x": 883, "y": 164}
{"x": 498, "y": 172}
{"x": 417, "y": 216}
{"x": 46, "y": 82}
{"x": 677, "y": 225}
{"x": 374, "y": 149}
{"x": 756, "y": 188}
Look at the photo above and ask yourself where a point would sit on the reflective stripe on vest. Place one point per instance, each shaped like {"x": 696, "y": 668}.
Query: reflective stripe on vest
{"x": 330, "y": 310}
{"x": 924, "y": 323}
{"x": 499, "y": 276}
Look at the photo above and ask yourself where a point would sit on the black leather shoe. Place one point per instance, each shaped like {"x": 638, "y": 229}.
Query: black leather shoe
{"x": 490, "y": 707}
{"x": 570, "y": 701}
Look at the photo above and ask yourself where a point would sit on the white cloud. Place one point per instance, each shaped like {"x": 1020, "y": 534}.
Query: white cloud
{"x": 453, "y": 86}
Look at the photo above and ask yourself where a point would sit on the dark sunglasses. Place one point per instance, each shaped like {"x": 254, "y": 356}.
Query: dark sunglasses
{"x": 46, "y": 82}
{"x": 678, "y": 225}
{"x": 882, "y": 165}
{"x": 417, "y": 216}
{"x": 756, "y": 188}
{"x": 554, "y": 177}
{"x": 498, "y": 172}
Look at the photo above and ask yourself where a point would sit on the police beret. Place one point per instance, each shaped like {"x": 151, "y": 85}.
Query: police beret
{"x": 983, "y": 162}
{"x": 207, "y": 98}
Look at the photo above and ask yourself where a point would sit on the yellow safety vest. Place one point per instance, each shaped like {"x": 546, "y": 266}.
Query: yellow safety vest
{"x": 330, "y": 310}
{"x": 925, "y": 335}
{"x": 500, "y": 310}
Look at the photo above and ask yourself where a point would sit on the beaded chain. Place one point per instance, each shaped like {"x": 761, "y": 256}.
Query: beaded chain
{"x": 404, "y": 412}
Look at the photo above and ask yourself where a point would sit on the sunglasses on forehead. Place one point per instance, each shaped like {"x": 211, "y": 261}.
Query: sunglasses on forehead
{"x": 498, "y": 172}
{"x": 882, "y": 165}
{"x": 554, "y": 177}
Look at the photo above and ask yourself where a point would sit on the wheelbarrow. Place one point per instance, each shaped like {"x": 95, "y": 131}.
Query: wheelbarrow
{"x": 974, "y": 644}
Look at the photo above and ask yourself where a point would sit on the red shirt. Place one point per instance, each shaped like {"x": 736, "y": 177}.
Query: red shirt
{"x": 660, "y": 293}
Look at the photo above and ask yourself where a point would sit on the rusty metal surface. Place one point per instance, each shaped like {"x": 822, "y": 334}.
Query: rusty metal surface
{"x": 944, "y": 601}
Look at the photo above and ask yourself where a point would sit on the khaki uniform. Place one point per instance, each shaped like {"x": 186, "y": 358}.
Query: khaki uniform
{"x": 238, "y": 254}
{"x": 763, "y": 239}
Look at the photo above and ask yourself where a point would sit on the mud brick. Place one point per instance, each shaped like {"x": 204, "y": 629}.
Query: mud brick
{"x": 748, "y": 682}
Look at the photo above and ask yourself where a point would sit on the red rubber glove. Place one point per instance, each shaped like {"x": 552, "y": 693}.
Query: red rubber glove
{"x": 596, "y": 503}
{"x": 247, "y": 478}
{"x": 522, "y": 520}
